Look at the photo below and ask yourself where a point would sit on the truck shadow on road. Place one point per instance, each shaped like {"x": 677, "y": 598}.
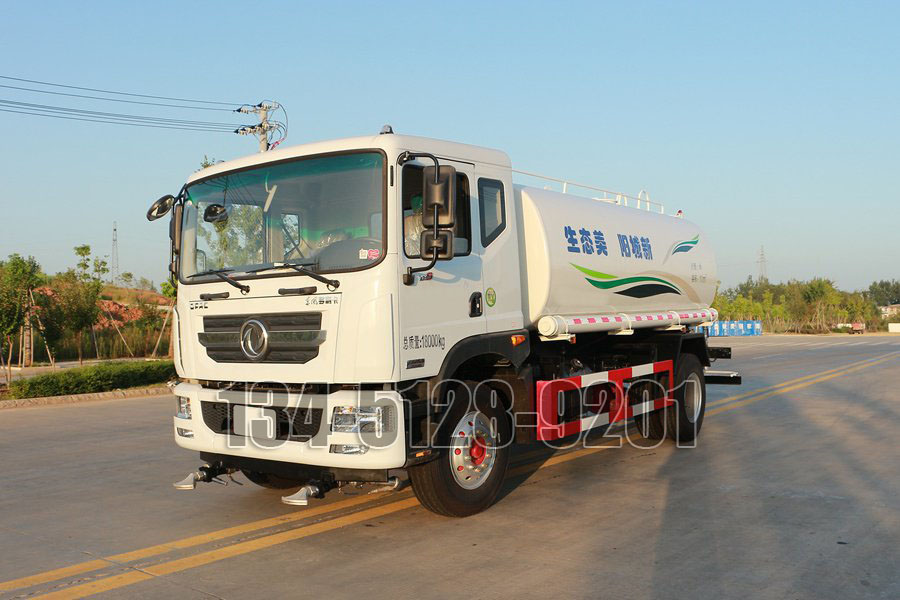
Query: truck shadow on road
{"x": 790, "y": 498}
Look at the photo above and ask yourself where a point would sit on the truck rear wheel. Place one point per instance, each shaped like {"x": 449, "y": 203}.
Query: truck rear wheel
{"x": 273, "y": 482}
{"x": 685, "y": 417}
{"x": 682, "y": 421}
{"x": 469, "y": 471}
{"x": 652, "y": 425}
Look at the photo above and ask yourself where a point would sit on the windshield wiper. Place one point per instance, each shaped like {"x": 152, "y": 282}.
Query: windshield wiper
{"x": 221, "y": 274}
{"x": 300, "y": 267}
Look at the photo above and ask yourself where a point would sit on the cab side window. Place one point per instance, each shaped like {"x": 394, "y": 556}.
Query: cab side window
{"x": 412, "y": 213}
{"x": 492, "y": 209}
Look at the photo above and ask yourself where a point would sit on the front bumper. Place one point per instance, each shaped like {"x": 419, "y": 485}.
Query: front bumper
{"x": 386, "y": 450}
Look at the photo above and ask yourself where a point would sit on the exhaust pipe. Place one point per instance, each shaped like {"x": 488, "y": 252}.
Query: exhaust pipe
{"x": 393, "y": 484}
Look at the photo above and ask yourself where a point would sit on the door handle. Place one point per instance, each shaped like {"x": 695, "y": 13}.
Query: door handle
{"x": 476, "y": 307}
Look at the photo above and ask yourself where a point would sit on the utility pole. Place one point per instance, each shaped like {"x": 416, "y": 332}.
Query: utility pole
{"x": 262, "y": 129}
{"x": 761, "y": 261}
{"x": 114, "y": 257}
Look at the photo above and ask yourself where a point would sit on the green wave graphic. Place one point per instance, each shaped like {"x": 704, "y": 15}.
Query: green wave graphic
{"x": 611, "y": 281}
{"x": 606, "y": 285}
{"x": 596, "y": 274}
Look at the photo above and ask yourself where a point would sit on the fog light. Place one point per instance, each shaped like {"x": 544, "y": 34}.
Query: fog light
{"x": 365, "y": 419}
{"x": 185, "y": 433}
{"x": 349, "y": 449}
{"x": 182, "y": 407}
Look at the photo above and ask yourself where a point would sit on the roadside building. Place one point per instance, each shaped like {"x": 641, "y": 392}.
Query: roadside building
{"x": 891, "y": 310}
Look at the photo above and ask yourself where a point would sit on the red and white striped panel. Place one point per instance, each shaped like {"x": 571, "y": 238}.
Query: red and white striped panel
{"x": 547, "y": 394}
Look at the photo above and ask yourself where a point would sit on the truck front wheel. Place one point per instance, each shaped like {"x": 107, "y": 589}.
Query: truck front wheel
{"x": 468, "y": 473}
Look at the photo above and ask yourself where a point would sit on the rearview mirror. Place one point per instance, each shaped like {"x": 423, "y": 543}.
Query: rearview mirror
{"x": 175, "y": 228}
{"x": 440, "y": 194}
{"x": 442, "y": 245}
{"x": 161, "y": 207}
{"x": 215, "y": 213}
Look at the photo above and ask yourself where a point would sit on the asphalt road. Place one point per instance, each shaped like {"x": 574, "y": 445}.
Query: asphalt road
{"x": 792, "y": 492}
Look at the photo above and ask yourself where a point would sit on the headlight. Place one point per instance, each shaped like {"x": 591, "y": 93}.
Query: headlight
{"x": 365, "y": 419}
{"x": 182, "y": 407}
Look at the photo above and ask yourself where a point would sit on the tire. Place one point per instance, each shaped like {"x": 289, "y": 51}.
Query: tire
{"x": 272, "y": 482}
{"x": 652, "y": 425}
{"x": 451, "y": 484}
{"x": 685, "y": 417}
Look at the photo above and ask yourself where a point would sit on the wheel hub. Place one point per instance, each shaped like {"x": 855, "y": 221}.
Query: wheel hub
{"x": 693, "y": 397}
{"x": 473, "y": 450}
{"x": 477, "y": 450}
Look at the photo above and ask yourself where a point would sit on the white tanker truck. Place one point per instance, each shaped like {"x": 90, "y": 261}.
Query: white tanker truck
{"x": 358, "y": 306}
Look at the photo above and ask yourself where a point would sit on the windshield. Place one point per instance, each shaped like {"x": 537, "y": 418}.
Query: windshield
{"x": 324, "y": 212}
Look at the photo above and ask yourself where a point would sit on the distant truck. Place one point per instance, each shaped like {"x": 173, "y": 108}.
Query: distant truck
{"x": 859, "y": 328}
{"x": 352, "y": 307}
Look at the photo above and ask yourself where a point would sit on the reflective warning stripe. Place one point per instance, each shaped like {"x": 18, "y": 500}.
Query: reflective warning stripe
{"x": 549, "y": 396}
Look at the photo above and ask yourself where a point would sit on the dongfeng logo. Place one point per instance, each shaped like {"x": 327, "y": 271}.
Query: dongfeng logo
{"x": 254, "y": 339}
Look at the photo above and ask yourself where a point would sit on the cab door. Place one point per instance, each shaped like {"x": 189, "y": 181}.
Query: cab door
{"x": 497, "y": 243}
{"x": 446, "y": 303}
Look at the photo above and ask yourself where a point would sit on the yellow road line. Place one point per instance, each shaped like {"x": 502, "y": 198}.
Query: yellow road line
{"x": 47, "y": 576}
{"x": 304, "y": 531}
{"x": 204, "y": 558}
{"x": 791, "y": 382}
{"x": 197, "y": 540}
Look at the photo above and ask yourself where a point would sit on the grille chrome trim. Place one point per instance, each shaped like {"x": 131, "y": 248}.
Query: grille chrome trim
{"x": 292, "y": 337}
{"x": 283, "y": 340}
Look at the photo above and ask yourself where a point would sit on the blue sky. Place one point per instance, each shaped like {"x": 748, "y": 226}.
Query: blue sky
{"x": 769, "y": 124}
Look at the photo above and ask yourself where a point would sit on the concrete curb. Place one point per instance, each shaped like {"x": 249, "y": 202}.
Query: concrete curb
{"x": 73, "y": 398}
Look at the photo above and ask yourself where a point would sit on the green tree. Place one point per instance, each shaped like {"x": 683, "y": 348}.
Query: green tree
{"x": 84, "y": 258}
{"x": 207, "y": 162}
{"x": 168, "y": 290}
{"x": 127, "y": 279}
{"x": 18, "y": 277}
{"x": 884, "y": 293}
{"x": 78, "y": 292}
{"x": 51, "y": 316}
{"x": 146, "y": 284}
{"x": 78, "y": 299}
{"x": 798, "y": 306}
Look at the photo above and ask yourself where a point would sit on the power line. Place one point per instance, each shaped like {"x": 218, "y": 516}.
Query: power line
{"x": 266, "y": 130}
{"x": 66, "y": 109}
{"x": 15, "y": 87}
{"x": 111, "y": 122}
{"x": 87, "y": 89}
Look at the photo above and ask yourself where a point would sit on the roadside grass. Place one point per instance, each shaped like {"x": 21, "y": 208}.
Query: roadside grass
{"x": 95, "y": 378}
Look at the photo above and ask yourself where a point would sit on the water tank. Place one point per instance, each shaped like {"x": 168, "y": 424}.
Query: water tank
{"x": 584, "y": 256}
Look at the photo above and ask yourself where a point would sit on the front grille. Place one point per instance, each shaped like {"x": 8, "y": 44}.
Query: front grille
{"x": 294, "y": 337}
{"x": 292, "y": 424}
